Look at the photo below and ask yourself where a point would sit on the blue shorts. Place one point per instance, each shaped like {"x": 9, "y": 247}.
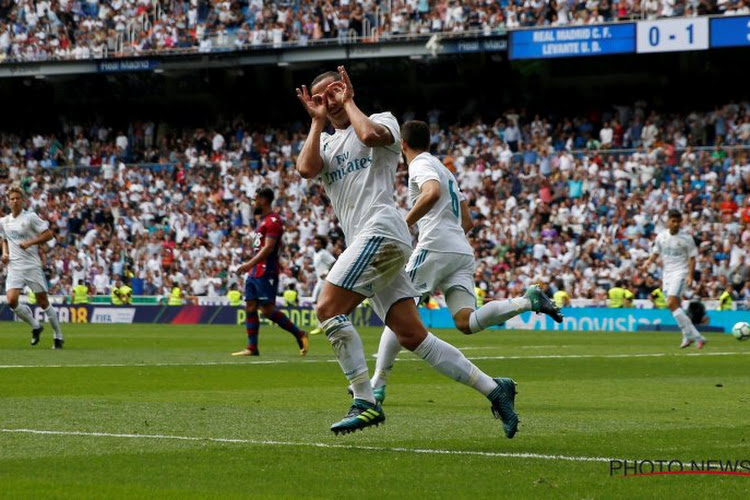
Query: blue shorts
{"x": 262, "y": 289}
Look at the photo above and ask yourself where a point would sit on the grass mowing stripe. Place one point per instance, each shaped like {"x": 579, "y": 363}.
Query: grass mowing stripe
{"x": 480, "y": 358}
{"x": 490, "y": 454}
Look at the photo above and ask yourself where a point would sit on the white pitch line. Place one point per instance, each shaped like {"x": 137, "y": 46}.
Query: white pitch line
{"x": 264, "y": 442}
{"x": 284, "y": 361}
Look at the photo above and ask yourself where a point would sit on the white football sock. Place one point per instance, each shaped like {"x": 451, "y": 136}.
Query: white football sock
{"x": 387, "y": 352}
{"x": 51, "y": 313}
{"x": 452, "y": 363}
{"x": 497, "y": 312}
{"x": 347, "y": 346}
{"x": 24, "y": 313}
{"x": 688, "y": 329}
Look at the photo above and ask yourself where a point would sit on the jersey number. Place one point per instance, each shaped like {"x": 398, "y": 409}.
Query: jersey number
{"x": 454, "y": 200}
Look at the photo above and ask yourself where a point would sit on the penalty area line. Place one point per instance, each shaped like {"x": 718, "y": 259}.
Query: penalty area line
{"x": 266, "y": 442}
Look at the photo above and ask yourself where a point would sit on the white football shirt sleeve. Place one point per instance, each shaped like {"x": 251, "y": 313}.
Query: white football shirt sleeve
{"x": 420, "y": 171}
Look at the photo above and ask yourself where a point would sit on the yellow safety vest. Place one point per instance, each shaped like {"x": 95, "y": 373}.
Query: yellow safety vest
{"x": 115, "y": 297}
{"x": 126, "y": 294}
{"x": 559, "y": 297}
{"x": 235, "y": 298}
{"x": 175, "y": 298}
{"x": 481, "y": 294}
{"x": 660, "y": 301}
{"x": 725, "y": 301}
{"x": 290, "y": 297}
{"x": 31, "y": 298}
{"x": 80, "y": 294}
{"x": 617, "y": 296}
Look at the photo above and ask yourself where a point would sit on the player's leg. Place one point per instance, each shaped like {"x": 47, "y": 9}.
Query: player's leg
{"x": 252, "y": 321}
{"x": 13, "y": 285}
{"x": 52, "y": 317}
{"x": 315, "y": 296}
{"x": 351, "y": 279}
{"x": 270, "y": 311}
{"x": 673, "y": 288}
{"x": 388, "y": 350}
{"x": 404, "y": 320}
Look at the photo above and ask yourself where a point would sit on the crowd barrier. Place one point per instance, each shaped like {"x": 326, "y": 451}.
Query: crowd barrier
{"x": 576, "y": 318}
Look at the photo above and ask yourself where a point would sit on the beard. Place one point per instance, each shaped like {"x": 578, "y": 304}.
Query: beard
{"x": 257, "y": 211}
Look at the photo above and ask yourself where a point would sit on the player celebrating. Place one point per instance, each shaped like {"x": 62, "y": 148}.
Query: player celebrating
{"x": 262, "y": 282}
{"x": 322, "y": 262}
{"x": 678, "y": 252}
{"x": 357, "y": 166}
{"x": 22, "y": 231}
{"x": 443, "y": 258}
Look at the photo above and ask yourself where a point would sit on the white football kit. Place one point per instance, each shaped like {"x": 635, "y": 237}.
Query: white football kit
{"x": 443, "y": 258}
{"x": 359, "y": 181}
{"x": 675, "y": 251}
{"x": 25, "y": 266}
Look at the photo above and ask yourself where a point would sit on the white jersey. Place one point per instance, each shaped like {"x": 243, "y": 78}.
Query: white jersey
{"x": 16, "y": 230}
{"x": 675, "y": 251}
{"x": 440, "y": 228}
{"x": 322, "y": 261}
{"x": 359, "y": 180}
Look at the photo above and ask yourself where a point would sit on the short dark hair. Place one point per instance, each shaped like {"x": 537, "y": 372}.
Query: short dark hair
{"x": 328, "y": 74}
{"x": 416, "y": 135}
{"x": 265, "y": 192}
{"x": 321, "y": 238}
{"x": 674, "y": 214}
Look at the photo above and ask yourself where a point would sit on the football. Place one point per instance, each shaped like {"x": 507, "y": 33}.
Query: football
{"x": 741, "y": 330}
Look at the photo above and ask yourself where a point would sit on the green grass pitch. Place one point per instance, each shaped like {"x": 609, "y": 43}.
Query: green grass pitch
{"x": 161, "y": 411}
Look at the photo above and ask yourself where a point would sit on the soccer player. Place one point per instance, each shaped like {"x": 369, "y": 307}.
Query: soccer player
{"x": 22, "y": 231}
{"x": 443, "y": 258}
{"x": 322, "y": 262}
{"x": 357, "y": 166}
{"x": 677, "y": 250}
{"x": 262, "y": 282}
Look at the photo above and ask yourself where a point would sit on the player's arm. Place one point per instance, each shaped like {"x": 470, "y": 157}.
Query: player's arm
{"x": 6, "y": 252}
{"x": 309, "y": 162}
{"x": 42, "y": 237}
{"x": 370, "y": 133}
{"x": 259, "y": 257}
{"x": 467, "y": 222}
{"x": 429, "y": 194}
{"x": 691, "y": 271}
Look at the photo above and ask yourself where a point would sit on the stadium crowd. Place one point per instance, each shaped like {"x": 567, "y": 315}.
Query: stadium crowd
{"x": 36, "y": 30}
{"x": 555, "y": 200}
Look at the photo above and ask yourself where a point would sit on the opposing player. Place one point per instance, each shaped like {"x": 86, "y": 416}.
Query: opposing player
{"x": 322, "y": 262}
{"x": 22, "y": 231}
{"x": 678, "y": 252}
{"x": 443, "y": 258}
{"x": 262, "y": 282}
{"x": 357, "y": 166}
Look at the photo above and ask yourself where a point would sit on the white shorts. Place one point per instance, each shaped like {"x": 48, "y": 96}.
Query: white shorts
{"x": 674, "y": 285}
{"x": 19, "y": 278}
{"x": 430, "y": 271}
{"x": 317, "y": 289}
{"x": 373, "y": 266}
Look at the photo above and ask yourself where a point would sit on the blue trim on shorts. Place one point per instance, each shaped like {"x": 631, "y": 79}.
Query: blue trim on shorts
{"x": 262, "y": 289}
{"x": 362, "y": 262}
{"x": 418, "y": 262}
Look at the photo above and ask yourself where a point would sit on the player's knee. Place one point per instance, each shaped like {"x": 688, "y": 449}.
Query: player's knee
{"x": 462, "y": 324}
{"x": 267, "y": 309}
{"x": 324, "y": 310}
{"x": 13, "y": 302}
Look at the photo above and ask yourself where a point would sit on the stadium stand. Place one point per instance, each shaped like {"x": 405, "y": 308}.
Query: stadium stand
{"x": 578, "y": 199}
{"x": 73, "y": 29}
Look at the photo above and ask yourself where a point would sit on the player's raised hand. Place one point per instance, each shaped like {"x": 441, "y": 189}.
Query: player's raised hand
{"x": 315, "y": 105}
{"x": 346, "y": 92}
